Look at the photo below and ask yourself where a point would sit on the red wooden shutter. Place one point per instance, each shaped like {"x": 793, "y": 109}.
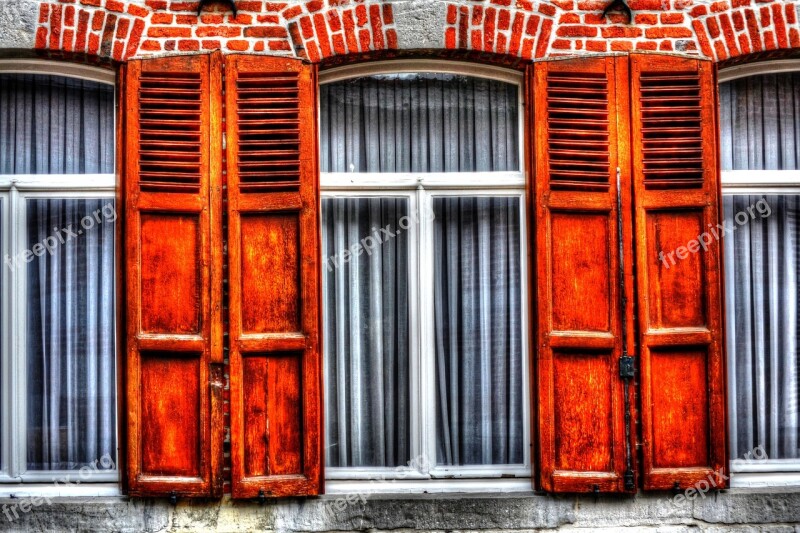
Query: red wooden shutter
{"x": 274, "y": 250}
{"x": 173, "y": 276}
{"x": 580, "y": 311}
{"x": 680, "y": 308}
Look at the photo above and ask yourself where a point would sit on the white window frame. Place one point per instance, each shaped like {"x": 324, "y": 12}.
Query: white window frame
{"x": 15, "y": 191}
{"x": 420, "y": 189}
{"x": 773, "y": 472}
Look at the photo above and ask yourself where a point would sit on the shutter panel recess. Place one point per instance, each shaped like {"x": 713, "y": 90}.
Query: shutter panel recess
{"x": 173, "y": 276}
{"x": 273, "y": 225}
{"x": 680, "y": 304}
{"x": 580, "y": 310}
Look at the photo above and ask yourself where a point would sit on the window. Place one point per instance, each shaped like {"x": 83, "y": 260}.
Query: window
{"x": 424, "y": 273}
{"x": 57, "y": 239}
{"x": 760, "y": 127}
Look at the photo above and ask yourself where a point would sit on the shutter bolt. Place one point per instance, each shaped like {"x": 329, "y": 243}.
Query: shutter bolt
{"x": 173, "y": 498}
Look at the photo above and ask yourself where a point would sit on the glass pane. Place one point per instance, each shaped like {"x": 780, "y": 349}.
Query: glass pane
{"x": 366, "y": 336}
{"x": 477, "y": 315}
{"x": 71, "y": 389}
{"x": 760, "y": 123}
{"x": 419, "y": 123}
{"x": 762, "y": 259}
{"x": 55, "y": 125}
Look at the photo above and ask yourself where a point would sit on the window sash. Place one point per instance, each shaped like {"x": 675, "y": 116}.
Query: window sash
{"x": 755, "y": 182}
{"x": 13, "y": 356}
{"x": 422, "y": 363}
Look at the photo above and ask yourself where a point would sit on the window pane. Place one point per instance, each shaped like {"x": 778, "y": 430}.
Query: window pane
{"x": 419, "y": 123}
{"x": 366, "y": 336}
{"x": 55, "y": 125}
{"x": 762, "y": 271}
{"x": 70, "y": 334}
{"x": 478, "y": 313}
{"x": 760, "y": 123}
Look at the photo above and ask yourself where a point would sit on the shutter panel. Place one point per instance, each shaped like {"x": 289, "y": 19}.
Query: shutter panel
{"x": 676, "y": 192}
{"x": 173, "y": 276}
{"x": 580, "y": 310}
{"x": 273, "y": 225}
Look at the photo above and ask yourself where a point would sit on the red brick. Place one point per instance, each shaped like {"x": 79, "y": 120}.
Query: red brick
{"x": 616, "y": 32}
{"x": 532, "y": 26}
{"x": 258, "y": 47}
{"x": 243, "y": 5}
{"x": 44, "y": 13}
{"x": 702, "y": 38}
{"x": 476, "y": 40}
{"x": 727, "y": 32}
{"x": 211, "y": 44}
{"x": 137, "y": 11}
{"x": 592, "y": 5}
{"x": 170, "y": 45}
{"x": 665, "y": 46}
{"x": 97, "y": 20}
{"x": 561, "y": 44}
{"x": 334, "y": 22}
{"x": 69, "y": 16}
{"x": 170, "y": 31}
{"x": 780, "y": 26}
{"x": 314, "y": 6}
{"x": 489, "y": 29}
{"x": 671, "y": 18}
{"x": 596, "y": 46}
{"x": 621, "y": 46}
{"x": 744, "y": 44}
{"x": 525, "y": 5}
{"x": 565, "y": 5}
{"x": 162, "y": 18}
{"x": 647, "y": 45}
{"x": 477, "y": 15}
{"x": 186, "y": 20}
{"x": 645, "y": 5}
{"x": 661, "y": 33}
{"x": 349, "y": 32}
{"x": 452, "y": 14}
{"x": 114, "y": 5}
{"x": 122, "y": 28}
{"x": 83, "y": 27}
{"x": 502, "y": 44}
{"x": 527, "y": 49}
{"x": 713, "y": 27}
{"x": 323, "y": 40}
{"x": 265, "y": 31}
{"x": 738, "y": 20}
{"x": 237, "y": 45}
{"x": 576, "y": 31}
{"x": 94, "y": 44}
{"x": 391, "y": 39}
{"x": 216, "y": 31}
{"x": 698, "y": 11}
{"x": 463, "y": 26}
{"x": 307, "y": 27}
{"x": 719, "y": 48}
{"x": 377, "y": 27}
{"x": 55, "y": 28}
{"x": 156, "y": 5}
{"x": 615, "y": 17}
{"x": 134, "y": 38}
{"x": 547, "y": 9}
{"x": 794, "y": 37}
{"x": 361, "y": 15}
{"x": 753, "y": 30}
{"x": 388, "y": 14}
{"x": 740, "y": 3}
{"x": 96, "y": 3}
{"x": 106, "y": 41}
{"x": 646, "y": 18}
{"x": 569, "y": 18}
{"x": 769, "y": 40}
{"x": 543, "y": 40}
{"x": 503, "y": 19}
{"x": 364, "y": 40}
{"x": 292, "y": 12}
{"x": 450, "y": 38}
{"x": 594, "y": 18}
{"x": 791, "y": 14}
{"x": 516, "y": 33}
{"x": 188, "y": 45}
{"x": 279, "y": 45}
{"x": 151, "y": 45}
{"x": 720, "y": 7}
{"x": 765, "y": 19}
{"x": 119, "y": 48}
{"x": 186, "y": 6}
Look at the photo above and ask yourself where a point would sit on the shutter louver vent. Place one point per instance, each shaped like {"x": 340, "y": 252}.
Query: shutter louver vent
{"x": 577, "y": 126}
{"x": 671, "y": 130}
{"x": 269, "y": 131}
{"x": 169, "y": 131}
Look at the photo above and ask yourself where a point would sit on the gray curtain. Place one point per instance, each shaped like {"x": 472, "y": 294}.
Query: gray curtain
{"x": 419, "y": 123}
{"x": 760, "y": 129}
{"x": 366, "y": 337}
{"x": 477, "y": 308}
{"x": 70, "y": 331}
{"x": 55, "y": 125}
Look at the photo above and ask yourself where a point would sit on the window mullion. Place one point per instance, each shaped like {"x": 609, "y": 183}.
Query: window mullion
{"x": 16, "y": 382}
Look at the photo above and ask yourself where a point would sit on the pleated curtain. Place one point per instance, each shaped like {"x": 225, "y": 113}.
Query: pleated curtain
{"x": 760, "y": 127}
{"x": 422, "y": 123}
{"x": 55, "y": 125}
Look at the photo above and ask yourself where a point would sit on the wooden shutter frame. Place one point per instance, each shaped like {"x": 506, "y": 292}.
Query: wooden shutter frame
{"x": 709, "y": 336}
{"x": 573, "y": 200}
{"x": 206, "y": 206}
{"x": 265, "y": 200}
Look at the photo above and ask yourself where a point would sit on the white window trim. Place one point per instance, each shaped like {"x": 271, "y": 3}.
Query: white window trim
{"x": 773, "y": 472}
{"x": 15, "y": 190}
{"x": 419, "y": 189}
